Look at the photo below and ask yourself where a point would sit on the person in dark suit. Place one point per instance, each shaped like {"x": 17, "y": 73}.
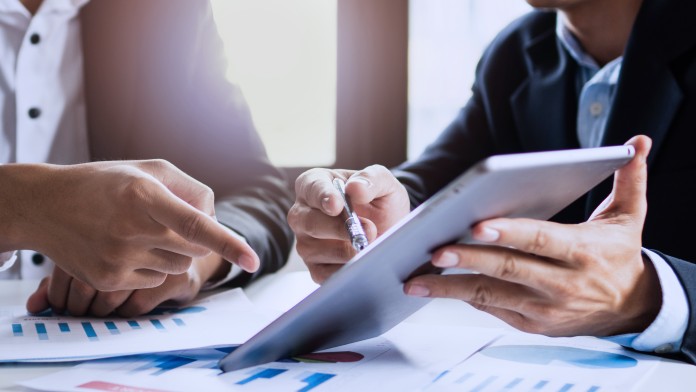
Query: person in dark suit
{"x": 131, "y": 229}
{"x": 577, "y": 73}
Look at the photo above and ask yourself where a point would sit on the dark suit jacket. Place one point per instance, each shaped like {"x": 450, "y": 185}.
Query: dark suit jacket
{"x": 155, "y": 88}
{"x": 525, "y": 98}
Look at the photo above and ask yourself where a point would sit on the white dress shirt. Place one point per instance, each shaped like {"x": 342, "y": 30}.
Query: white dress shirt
{"x": 42, "y": 101}
{"x": 597, "y": 87}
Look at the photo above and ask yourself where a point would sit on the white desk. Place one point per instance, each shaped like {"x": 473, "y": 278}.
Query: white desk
{"x": 283, "y": 290}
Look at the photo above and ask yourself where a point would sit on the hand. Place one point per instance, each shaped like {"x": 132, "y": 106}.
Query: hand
{"x": 322, "y": 240}
{"x": 63, "y": 293}
{"x": 560, "y": 280}
{"x": 121, "y": 225}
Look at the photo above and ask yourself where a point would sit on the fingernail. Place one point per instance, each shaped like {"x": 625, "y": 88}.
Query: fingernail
{"x": 417, "y": 290}
{"x": 326, "y": 203}
{"x": 446, "y": 260}
{"x": 247, "y": 263}
{"x": 361, "y": 180}
{"x": 486, "y": 234}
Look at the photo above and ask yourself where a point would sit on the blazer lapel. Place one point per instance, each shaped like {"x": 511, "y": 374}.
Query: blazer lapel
{"x": 545, "y": 105}
{"x": 648, "y": 95}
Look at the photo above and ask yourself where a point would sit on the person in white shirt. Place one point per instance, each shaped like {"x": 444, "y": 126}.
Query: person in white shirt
{"x": 139, "y": 87}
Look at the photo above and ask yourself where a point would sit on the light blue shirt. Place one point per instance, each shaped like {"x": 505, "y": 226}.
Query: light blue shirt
{"x": 597, "y": 88}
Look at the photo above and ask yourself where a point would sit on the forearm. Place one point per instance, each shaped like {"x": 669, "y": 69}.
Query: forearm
{"x": 21, "y": 187}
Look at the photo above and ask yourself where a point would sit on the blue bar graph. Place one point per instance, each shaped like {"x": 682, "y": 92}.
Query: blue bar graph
{"x": 263, "y": 373}
{"x": 513, "y": 384}
{"x": 566, "y": 388}
{"x": 89, "y": 331}
{"x": 64, "y": 327}
{"x": 157, "y": 324}
{"x": 179, "y": 322}
{"x": 165, "y": 363}
{"x": 134, "y": 324}
{"x": 484, "y": 384}
{"x": 462, "y": 379}
{"x": 41, "y": 331}
{"x": 315, "y": 380}
{"x": 111, "y": 326}
{"x": 540, "y": 385}
{"x": 17, "y": 330}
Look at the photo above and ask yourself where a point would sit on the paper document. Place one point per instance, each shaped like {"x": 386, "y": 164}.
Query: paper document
{"x": 521, "y": 362}
{"x": 408, "y": 357}
{"x": 226, "y": 318}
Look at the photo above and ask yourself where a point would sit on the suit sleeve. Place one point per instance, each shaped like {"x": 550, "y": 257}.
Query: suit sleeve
{"x": 686, "y": 272}
{"x": 225, "y": 152}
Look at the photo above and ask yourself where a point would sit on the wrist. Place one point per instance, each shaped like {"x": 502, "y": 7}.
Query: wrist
{"x": 646, "y": 302}
{"x": 22, "y": 191}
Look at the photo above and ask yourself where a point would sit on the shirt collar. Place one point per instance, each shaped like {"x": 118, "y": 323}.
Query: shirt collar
{"x": 572, "y": 44}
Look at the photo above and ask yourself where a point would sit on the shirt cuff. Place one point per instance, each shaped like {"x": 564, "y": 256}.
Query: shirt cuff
{"x": 235, "y": 270}
{"x": 666, "y": 333}
{"x": 7, "y": 260}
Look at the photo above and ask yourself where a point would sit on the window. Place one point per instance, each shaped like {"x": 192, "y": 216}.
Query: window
{"x": 447, "y": 38}
{"x": 283, "y": 56}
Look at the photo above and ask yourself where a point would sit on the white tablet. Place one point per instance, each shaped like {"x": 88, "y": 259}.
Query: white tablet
{"x": 365, "y": 298}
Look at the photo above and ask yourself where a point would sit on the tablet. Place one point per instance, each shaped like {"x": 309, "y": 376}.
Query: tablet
{"x": 365, "y": 298}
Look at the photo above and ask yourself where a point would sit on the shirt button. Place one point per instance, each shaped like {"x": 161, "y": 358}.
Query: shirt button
{"x": 34, "y": 112}
{"x": 35, "y": 39}
{"x": 596, "y": 109}
{"x": 664, "y": 348}
{"x": 37, "y": 259}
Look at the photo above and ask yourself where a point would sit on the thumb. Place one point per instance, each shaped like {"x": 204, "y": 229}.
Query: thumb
{"x": 373, "y": 182}
{"x": 631, "y": 181}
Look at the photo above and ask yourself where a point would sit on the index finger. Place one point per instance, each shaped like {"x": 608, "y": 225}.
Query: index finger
{"x": 199, "y": 228}
{"x": 315, "y": 188}
{"x": 542, "y": 238}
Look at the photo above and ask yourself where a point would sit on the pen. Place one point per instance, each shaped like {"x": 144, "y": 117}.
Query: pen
{"x": 355, "y": 229}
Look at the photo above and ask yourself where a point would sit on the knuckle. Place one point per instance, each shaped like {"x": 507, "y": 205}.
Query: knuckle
{"x": 136, "y": 190}
{"x": 482, "y": 295}
{"x": 343, "y": 253}
{"x": 303, "y": 179}
{"x": 539, "y": 242}
{"x": 159, "y": 164}
{"x": 508, "y": 268}
{"x": 207, "y": 193}
{"x": 192, "y": 226}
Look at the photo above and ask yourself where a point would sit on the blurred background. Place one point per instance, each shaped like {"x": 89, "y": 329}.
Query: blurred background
{"x": 349, "y": 83}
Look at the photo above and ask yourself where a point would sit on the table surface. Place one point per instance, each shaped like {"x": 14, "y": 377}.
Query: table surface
{"x": 295, "y": 284}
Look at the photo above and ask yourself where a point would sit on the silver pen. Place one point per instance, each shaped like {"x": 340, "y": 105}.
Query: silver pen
{"x": 355, "y": 229}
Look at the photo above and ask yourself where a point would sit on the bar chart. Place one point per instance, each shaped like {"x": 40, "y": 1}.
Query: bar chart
{"x": 91, "y": 331}
{"x": 224, "y": 318}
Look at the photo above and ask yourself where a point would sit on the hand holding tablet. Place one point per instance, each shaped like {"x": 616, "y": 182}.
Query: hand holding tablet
{"x": 366, "y": 297}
